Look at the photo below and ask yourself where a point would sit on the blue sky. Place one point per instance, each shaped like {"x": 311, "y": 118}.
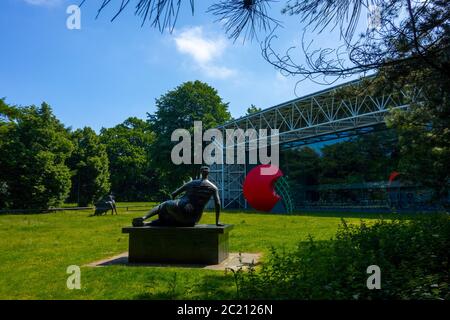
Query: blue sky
{"x": 108, "y": 71}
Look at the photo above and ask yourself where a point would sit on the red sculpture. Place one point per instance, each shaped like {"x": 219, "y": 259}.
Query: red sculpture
{"x": 259, "y": 189}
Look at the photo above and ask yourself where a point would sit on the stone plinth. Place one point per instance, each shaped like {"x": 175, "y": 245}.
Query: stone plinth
{"x": 201, "y": 244}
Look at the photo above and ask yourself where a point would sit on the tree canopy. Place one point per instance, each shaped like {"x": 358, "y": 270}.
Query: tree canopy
{"x": 90, "y": 168}
{"x": 367, "y": 158}
{"x": 34, "y": 148}
{"x": 252, "y": 109}
{"x": 43, "y": 164}
{"x": 133, "y": 178}
{"x": 178, "y": 109}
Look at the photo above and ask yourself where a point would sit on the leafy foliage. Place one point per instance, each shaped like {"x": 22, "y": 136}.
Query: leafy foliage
{"x": 253, "y": 109}
{"x": 367, "y": 158}
{"x": 401, "y": 34}
{"x": 90, "y": 167}
{"x": 302, "y": 165}
{"x": 244, "y": 17}
{"x": 239, "y": 17}
{"x": 128, "y": 146}
{"x": 178, "y": 109}
{"x": 33, "y": 149}
{"x": 41, "y": 160}
{"x": 424, "y": 135}
{"x": 413, "y": 257}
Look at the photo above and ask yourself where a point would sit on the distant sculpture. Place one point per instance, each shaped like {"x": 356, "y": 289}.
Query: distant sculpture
{"x": 187, "y": 210}
{"x": 112, "y": 202}
{"x": 106, "y": 204}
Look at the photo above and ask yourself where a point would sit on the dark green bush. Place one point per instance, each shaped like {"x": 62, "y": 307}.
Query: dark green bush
{"x": 413, "y": 256}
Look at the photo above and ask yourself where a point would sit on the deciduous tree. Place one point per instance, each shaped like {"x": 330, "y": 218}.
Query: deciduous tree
{"x": 34, "y": 148}
{"x": 178, "y": 109}
{"x": 128, "y": 144}
{"x": 90, "y": 167}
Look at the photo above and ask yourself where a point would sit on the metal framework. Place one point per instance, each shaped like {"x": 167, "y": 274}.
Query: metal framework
{"x": 320, "y": 116}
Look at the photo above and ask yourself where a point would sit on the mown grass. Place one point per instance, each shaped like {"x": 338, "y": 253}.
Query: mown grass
{"x": 36, "y": 249}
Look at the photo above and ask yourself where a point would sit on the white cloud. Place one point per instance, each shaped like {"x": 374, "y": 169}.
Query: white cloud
{"x": 217, "y": 71}
{"x": 204, "y": 51}
{"x": 194, "y": 43}
{"x": 46, "y": 3}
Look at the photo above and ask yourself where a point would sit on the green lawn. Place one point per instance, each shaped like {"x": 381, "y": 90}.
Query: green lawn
{"x": 37, "y": 249}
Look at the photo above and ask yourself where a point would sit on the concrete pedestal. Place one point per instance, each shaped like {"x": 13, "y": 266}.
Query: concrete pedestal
{"x": 201, "y": 244}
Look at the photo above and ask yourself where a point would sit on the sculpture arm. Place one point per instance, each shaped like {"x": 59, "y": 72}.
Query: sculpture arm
{"x": 178, "y": 191}
{"x": 217, "y": 206}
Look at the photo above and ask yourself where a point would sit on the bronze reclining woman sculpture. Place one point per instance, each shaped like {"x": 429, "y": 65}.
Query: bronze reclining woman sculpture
{"x": 187, "y": 210}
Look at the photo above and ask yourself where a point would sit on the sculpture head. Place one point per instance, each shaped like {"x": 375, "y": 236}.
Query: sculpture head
{"x": 205, "y": 172}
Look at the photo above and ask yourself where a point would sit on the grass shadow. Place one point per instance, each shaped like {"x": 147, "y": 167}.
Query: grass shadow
{"x": 209, "y": 287}
{"x": 338, "y": 214}
{"x": 328, "y": 214}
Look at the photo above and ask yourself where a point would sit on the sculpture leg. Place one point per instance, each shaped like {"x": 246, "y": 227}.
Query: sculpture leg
{"x": 139, "y": 222}
{"x": 152, "y": 212}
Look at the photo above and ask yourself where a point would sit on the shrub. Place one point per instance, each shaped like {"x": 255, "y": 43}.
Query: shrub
{"x": 413, "y": 256}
